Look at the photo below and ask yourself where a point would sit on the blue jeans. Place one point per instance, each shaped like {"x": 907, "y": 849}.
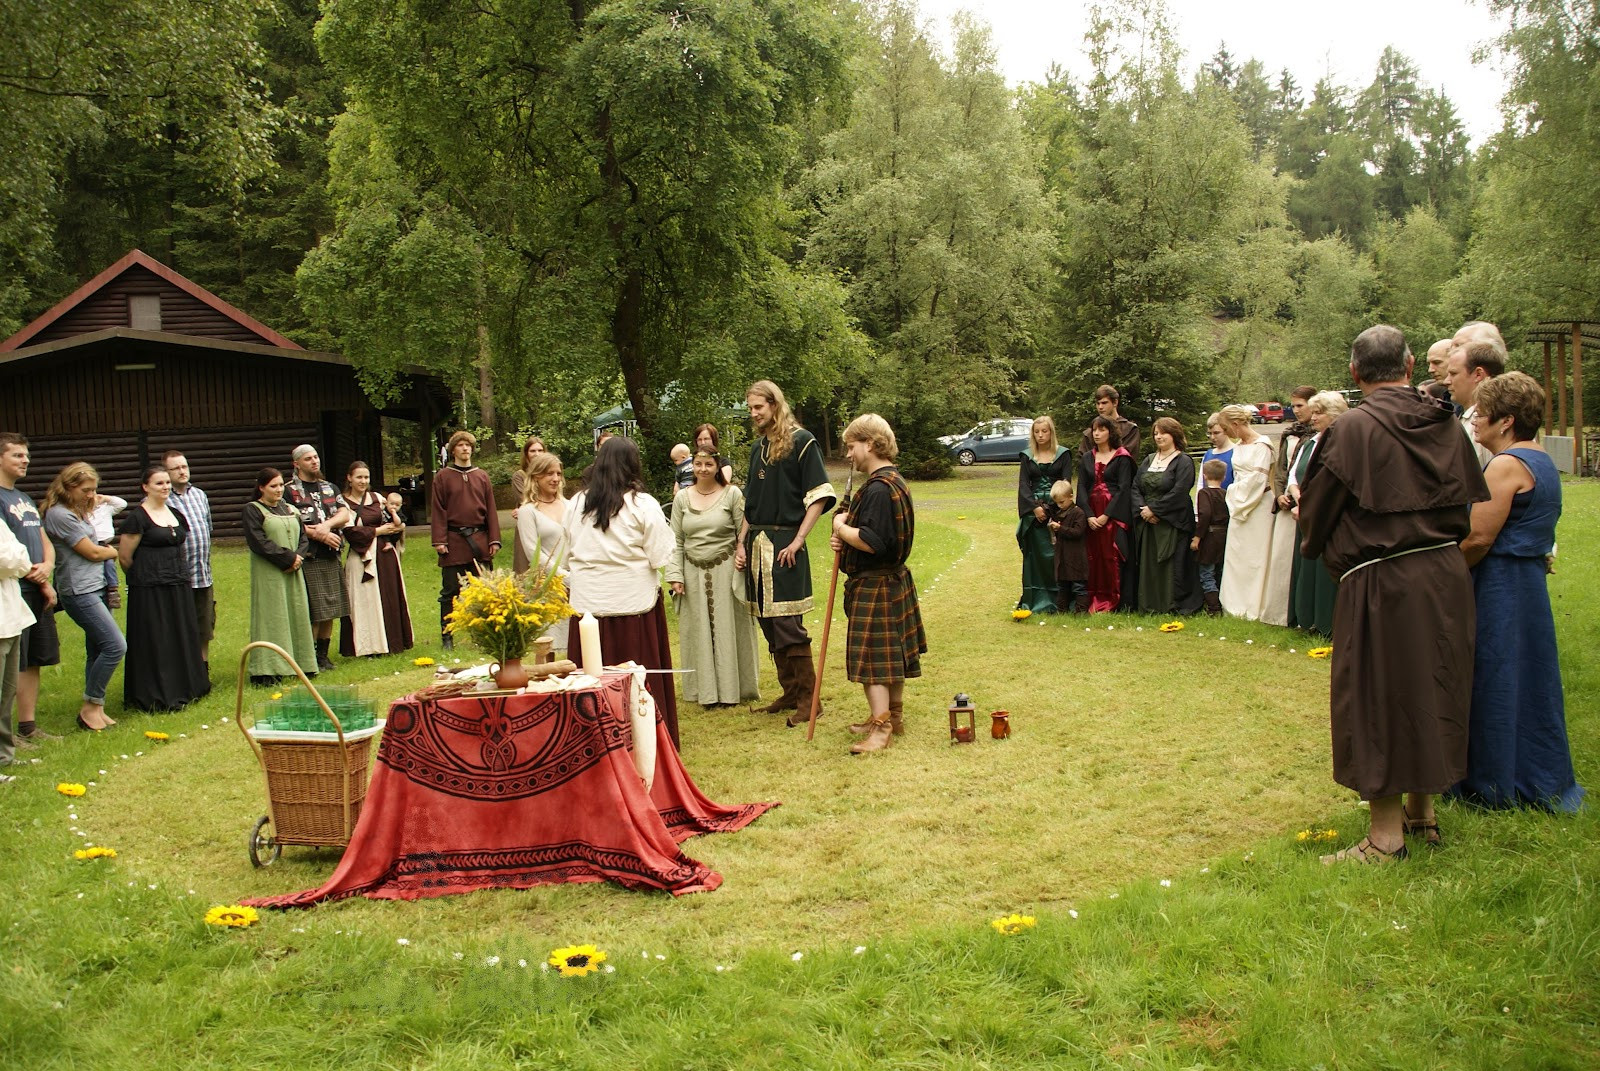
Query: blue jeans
{"x": 103, "y": 642}
{"x": 1208, "y": 578}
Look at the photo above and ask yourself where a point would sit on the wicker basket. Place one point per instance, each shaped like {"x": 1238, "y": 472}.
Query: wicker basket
{"x": 306, "y": 783}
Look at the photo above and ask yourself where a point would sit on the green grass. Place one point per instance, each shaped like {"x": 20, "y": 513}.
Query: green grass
{"x": 1137, "y": 758}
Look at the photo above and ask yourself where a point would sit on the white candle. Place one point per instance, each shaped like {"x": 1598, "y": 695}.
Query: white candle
{"x": 589, "y": 641}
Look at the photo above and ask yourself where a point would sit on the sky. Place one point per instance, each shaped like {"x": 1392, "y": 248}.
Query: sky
{"x": 1343, "y": 39}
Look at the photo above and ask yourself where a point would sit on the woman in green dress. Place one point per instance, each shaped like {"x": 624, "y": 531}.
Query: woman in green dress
{"x": 1311, "y": 590}
{"x": 1164, "y": 510}
{"x": 716, "y": 634}
{"x": 1043, "y": 463}
{"x": 278, "y": 609}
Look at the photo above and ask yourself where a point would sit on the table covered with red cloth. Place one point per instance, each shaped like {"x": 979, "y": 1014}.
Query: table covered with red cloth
{"x": 512, "y": 791}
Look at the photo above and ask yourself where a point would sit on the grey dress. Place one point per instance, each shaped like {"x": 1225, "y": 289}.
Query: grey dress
{"x": 541, "y": 540}
{"x": 716, "y": 634}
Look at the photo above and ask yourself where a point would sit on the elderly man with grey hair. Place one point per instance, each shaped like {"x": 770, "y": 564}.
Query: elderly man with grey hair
{"x": 1385, "y": 502}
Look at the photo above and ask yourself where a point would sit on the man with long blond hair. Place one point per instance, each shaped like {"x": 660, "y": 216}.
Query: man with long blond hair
{"x": 786, "y": 493}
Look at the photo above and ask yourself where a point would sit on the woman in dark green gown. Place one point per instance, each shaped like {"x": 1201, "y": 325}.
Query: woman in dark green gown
{"x": 1311, "y": 589}
{"x": 1043, "y": 463}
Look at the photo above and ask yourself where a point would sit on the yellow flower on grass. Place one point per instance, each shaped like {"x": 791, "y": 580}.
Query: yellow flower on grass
{"x": 277, "y": 695}
{"x": 1172, "y": 626}
{"x": 576, "y": 961}
{"x": 1011, "y": 925}
{"x": 1319, "y": 652}
{"x": 422, "y": 661}
{"x": 151, "y": 734}
{"x": 232, "y": 915}
{"x": 1313, "y": 835}
{"x": 68, "y": 788}
{"x": 1021, "y": 613}
{"x": 95, "y": 853}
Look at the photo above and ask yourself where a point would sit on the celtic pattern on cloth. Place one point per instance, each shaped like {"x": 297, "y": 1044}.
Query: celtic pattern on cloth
{"x": 500, "y": 747}
{"x": 541, "y": 865}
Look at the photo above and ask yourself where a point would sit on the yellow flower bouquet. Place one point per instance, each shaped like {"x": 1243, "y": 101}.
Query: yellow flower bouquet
{"x": 502, "y": 614}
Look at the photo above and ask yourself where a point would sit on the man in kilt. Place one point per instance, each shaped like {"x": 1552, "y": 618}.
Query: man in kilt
{"x": 885, "y": 638}
{"x": 323, "y": 513}
{"x": 786, "y": 493}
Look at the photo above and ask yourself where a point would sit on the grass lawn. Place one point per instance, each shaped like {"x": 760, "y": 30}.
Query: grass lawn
{"x": 1145, "y": 811}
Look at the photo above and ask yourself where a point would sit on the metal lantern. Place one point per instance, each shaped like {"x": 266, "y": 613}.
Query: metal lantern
{"x": 962, "y": 705}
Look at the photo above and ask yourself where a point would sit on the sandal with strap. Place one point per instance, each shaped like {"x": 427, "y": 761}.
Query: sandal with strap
{"x": 1365, "y": 852}
{"x": 1428, "y": 827}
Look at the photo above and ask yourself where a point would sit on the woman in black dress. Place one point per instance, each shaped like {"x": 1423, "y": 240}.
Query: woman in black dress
{"x": 164, "y": 670}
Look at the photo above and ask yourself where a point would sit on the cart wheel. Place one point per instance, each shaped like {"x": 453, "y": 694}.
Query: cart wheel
{"x": 263, "y": 851}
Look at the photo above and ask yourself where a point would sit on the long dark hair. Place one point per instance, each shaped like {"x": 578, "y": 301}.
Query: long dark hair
{"x": 616, "y": 472}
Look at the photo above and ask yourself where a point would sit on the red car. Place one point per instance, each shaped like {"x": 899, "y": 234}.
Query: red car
{"x": 1270, "y": 413}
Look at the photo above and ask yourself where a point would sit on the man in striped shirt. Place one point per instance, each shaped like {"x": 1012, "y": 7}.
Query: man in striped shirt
{"x": 192, "y": 502}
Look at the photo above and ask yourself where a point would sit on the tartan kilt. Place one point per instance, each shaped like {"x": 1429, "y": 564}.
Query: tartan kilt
{"x": 324, "y": 589}
{"x": 885, "y": 634}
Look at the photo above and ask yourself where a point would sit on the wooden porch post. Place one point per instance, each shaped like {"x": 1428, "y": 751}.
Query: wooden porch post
{"x": 1549, "y": 428}
{"x": 1577, "y": 398}
{"x": 1561, "y": 384}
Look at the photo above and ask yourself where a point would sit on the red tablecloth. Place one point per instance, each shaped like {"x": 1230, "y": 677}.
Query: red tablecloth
{"x": 521, "y": 790}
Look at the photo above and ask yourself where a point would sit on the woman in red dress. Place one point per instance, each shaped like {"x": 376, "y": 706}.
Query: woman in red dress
{"x": 1105, "y": 494}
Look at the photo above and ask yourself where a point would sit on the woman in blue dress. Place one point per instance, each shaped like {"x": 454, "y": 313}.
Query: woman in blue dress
{"x": 1517, "y": 750}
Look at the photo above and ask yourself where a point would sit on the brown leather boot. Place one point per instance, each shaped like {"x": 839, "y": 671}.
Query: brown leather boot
{"x": 1213, "y": 603}
{"x": 786, "y": 698}
{"x": 805, "y": 684}
{"x": 897, "y": 724}
{"x": 879, "y": 734}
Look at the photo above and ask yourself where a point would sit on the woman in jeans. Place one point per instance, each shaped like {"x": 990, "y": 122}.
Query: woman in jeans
{"x": 81, "y": 584}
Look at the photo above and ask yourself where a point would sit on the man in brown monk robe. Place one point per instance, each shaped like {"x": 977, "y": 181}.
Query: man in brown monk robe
{"x": 1385, "y": 502}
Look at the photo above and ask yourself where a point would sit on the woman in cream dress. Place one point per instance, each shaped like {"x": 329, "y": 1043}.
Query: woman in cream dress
{"x": 541, "y": 526}
{"x": 1255, "y": 574}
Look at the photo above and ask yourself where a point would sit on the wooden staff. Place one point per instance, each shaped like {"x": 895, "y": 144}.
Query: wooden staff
{"x": 827, "y": 622}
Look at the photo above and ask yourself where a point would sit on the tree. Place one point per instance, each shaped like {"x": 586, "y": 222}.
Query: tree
{"x": 618, "y": 163}
{"x": 1153, "y": 211}
{"x": 72, "y": 77}
{"x": 934, "y": 214}
{"x": 1414, "y": 258}
{"x": 1529, "y": 256}
{"x": 1332, "y": 305}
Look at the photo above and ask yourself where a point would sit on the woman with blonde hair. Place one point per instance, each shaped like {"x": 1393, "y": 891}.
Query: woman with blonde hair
{"x": 1043, "y": 463}
{"x": 532, "y": 447}
{"x": 541, "y": 528}
{"x": 81, "y": 584}
{"x": 1255, "y": 573}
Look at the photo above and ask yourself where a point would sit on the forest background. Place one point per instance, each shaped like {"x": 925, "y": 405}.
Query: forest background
{"x": 558, "y": 206}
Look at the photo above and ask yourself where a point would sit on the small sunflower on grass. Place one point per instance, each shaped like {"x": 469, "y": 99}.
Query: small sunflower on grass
{"x": 1021, "y": 613}
{"x": 1319, "y": 652}
{"x": 95, "y": 853}
{"x": 1011, "y": 925}
{"x": 234, "y": 915}
{"x": 1172, "y": 626}
{"x": 575, "y": 961}
{"x": 69, "y": 788}
{"x": 423, "y": 661}
{"x": 152, "y": 734}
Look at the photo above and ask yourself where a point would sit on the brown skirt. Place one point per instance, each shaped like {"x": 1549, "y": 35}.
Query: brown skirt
{"x": 640, "y": 638}
{"x": 1401, "y": 684}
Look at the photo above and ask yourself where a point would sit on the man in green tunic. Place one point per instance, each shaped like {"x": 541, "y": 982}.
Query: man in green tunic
{"x": 787, "y": 491}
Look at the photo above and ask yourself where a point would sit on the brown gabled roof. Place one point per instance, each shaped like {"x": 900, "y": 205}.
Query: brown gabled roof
{"x": 136, "y": 262}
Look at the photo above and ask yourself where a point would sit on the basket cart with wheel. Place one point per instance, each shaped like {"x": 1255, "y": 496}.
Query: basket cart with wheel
{"x": 316, "y": 781}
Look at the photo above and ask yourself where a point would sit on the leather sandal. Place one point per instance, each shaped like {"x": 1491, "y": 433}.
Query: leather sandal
{"x": 1365, "y": 852}
{"x": 1428, "y": 827}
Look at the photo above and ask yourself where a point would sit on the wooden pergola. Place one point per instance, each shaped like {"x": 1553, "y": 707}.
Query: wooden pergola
{"x": 1561, "y": 333}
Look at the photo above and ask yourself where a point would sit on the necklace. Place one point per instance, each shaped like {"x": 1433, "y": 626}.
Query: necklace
{"x": 543, "y": 501}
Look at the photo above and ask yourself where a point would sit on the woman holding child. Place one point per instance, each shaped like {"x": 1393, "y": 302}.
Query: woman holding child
{"x": 1167, "y": 582}
{"x": 1043, "y": 463}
